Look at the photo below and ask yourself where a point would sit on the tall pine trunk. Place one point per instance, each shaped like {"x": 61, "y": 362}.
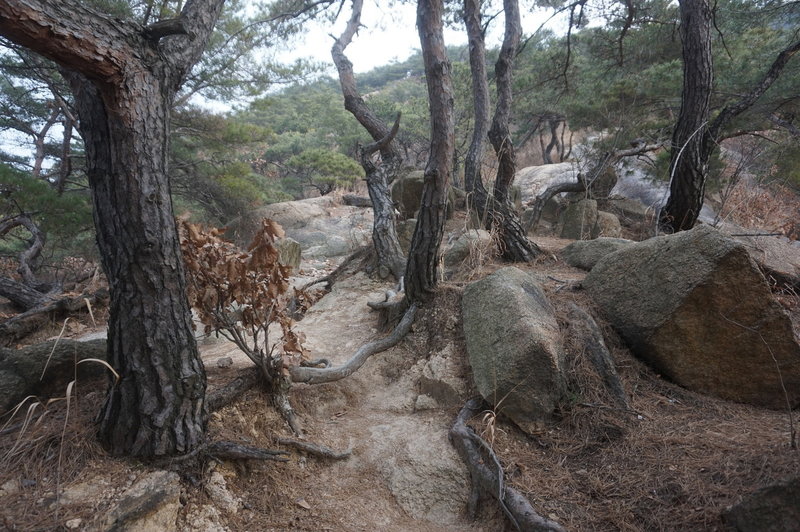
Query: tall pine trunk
{"x": 423, "y": 258}
{"x": 691, "y": 147}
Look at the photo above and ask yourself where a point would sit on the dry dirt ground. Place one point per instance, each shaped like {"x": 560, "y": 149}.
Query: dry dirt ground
{"x": 673, "y": 461}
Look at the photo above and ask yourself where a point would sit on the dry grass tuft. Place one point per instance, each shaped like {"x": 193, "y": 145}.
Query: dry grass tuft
{"x": 770, "y": 207}
{"x": 52, "y": 451}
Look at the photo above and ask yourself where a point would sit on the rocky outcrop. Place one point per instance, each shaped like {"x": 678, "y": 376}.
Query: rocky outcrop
{"x": 584, "y": 254}
{"x": 532, "y": 180}
{"x": 772, "y": 509}
{"x": 579, "y": 220}
{"x": 322, "y": 226}
{"x": 514, "y": 346}
{"x": 696, "y": 307}
{"x": 23, "y": 373}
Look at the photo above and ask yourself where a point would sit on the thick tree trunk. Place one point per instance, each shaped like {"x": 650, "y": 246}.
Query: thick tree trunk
{"x": 124, "y": 80}
{"x": 690, "y": 149}
{"x": 150, "y": 337}
{"x": 423, "y": 258}
{"x": 384, "y": 231}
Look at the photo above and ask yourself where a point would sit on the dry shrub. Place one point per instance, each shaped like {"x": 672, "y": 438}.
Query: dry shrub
{"x": 773, "y": 207}
{"x": 239, "y": 293}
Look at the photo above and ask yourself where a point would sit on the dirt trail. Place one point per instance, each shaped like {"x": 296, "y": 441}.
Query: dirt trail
{"x": 403, "y": 473}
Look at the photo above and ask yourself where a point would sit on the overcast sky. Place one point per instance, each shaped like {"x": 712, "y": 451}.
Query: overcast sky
{"x": 389, "y": 34}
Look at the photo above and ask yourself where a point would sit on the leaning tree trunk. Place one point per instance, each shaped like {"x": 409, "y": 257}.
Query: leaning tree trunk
{"x": 124, "y": 78}
{"x": 384, "y": 230}
{"x": 423, "y": 258}
{"x": 690, "y": 149}
{"x": 494, "y": 211}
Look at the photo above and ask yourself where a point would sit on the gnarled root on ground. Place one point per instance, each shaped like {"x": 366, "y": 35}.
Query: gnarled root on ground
{"x": 320, "y": 375}
{"x": 487, "y": 475}
{"x": 319, "y": 451}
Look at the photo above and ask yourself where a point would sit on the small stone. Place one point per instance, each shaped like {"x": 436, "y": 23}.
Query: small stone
{"x": 224, "y": 362}
{"x": 425, "y": 402}
{"x": 73, "y": 523}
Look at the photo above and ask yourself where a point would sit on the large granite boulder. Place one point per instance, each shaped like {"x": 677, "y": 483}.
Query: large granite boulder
{"x": 584, "y": 254}
{"x": 514, "y": 346}
{"x": 579, "y": 220}
{"x": 696, "y": 307}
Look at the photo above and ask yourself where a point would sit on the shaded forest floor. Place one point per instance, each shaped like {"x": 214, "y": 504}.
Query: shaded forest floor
{"x": 673, "y": 461}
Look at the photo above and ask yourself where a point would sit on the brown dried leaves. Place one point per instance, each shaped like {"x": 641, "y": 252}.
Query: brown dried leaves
{"x": 242, "y": 292}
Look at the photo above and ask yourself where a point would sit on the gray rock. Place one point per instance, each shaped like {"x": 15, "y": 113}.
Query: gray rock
{"x": 290, "y": 253}
{"x": 321, "y": 226}
{"x": 630, "y": 211}
{"x": 23, "y": 370}
{"x": 405, "y": 232}
{"x": 772, "y": 509}
{"x": 460, "y": 249}
{"x": 407, "y": 194}
{"x": 425, "y": 475}
{"x": 532, "y": 180}
{"x": 607, "y": 225}
{"x": 150, "y": 505}
{"x": 584, "y": 254}
{"x": 579, "y": 220}
{"x": 696, "y": 307}
{"x": 514, "y": 346}
{"x": 774, "y": 254}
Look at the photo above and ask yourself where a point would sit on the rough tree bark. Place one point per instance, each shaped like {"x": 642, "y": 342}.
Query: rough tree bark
{"x": 689, "y": 153}
{"x": 695, "y": 138}
{"x": 384, "y": 231}
{"x": 493, "y": 211}
{"x": 124, "y": 78}
{"x": 499, "y": 135}
{"x": 423, "y": 257}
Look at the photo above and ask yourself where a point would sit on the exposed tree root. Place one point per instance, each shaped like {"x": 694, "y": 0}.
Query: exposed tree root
{"x": 321, "y": 375}
{"x": 246, "y": 379}
{"x": 360, "y": 254}
{"x": 228, "y": 450}
{"x": 320, "y": 451}
{"x": 487, "y": 475}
